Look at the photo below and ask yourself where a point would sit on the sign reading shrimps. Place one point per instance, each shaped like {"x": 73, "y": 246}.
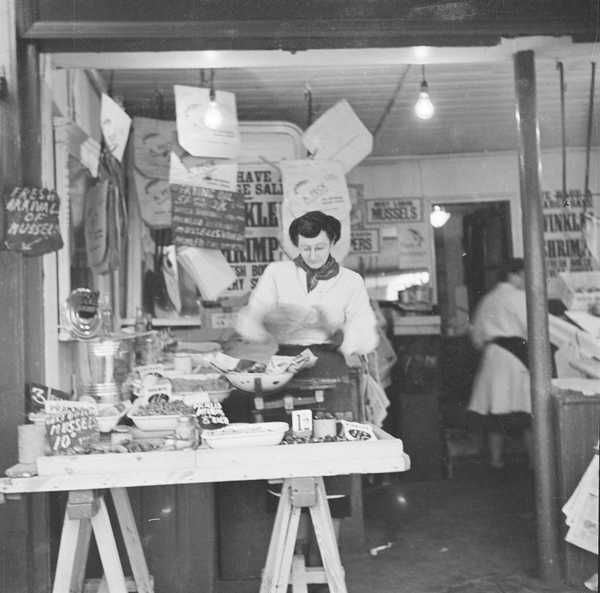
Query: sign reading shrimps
{"x": 202, "y": 217}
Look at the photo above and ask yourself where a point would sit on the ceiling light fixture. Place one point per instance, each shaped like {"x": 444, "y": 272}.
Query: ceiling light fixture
{"x": 213, "y": 116}
{"x": 424, "y": 108}
{"x": 439, "y": 217}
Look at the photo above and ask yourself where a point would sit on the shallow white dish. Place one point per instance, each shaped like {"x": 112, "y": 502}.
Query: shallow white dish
{"x": 268, "y": 382}
{"x": 156, "y": 422}
{"x": 246, "y": 435}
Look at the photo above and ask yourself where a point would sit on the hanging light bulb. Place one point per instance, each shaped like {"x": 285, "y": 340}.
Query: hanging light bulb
{"x": 424, "y": 108}
{"x": 213, "y": 116}
{"x": 439, "y": 217}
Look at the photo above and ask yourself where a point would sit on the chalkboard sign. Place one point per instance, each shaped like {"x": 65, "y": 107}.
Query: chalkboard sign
{"x": 31, "y": 221}
{"x": 202, "y": 217}
{"x": 71, "y": 427}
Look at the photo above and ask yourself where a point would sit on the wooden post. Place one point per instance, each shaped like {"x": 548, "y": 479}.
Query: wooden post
{"x": 537, "y": 314}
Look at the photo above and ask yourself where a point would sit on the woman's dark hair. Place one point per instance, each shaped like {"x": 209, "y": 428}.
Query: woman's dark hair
{"x": 312, "y": 223}
{"x": 512, "y": 266}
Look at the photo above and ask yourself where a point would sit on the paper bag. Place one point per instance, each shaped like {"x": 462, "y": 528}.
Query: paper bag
{"x": 194, "y": 132}
{"x": 209, "y": 269}
{"x": 315, "y": 185}
{"x": 338, "y": 135}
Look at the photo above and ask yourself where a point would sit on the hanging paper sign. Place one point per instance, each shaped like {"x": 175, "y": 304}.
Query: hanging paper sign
{"x": 89, "y": 155}
{"x": 315, "y": 185}
{"x": 209, "y": 270}
{"x": 96, "y": 223}
{"x": 207, "y": 218}
{"x": 260, "y": 186}
{"x": 153, "y": 140}
{"x": 154, "y": 199}
{"x": 31, "y": 221}
{"x": 391, "y": 210}
{"x": 564, "y": 241}
{"x": 171, "y": 275}
{"x": 338, "y": 135}
{"x": 71, "y": 427}
{"x": 364, "y": 241}
{"x": 356, "y": 191}
{"x": 412, "y": 245}
{"x": 209, "y": 173}
{"x": 115, "y": 125}
{"x": 207, "y": 128}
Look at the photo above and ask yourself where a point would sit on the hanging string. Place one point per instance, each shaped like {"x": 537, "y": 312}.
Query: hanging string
{"x": 309, "y": 104}
{"x": 392, "y": 101}
{"x": 586, "y": 184}
{"x": 160, "y": 103}
{"x": 560, "y": 67}
{"x": 212, "y": 85}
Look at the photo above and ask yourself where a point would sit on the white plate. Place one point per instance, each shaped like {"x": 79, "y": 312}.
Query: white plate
{"x": 156, "y": 422}
{"x": 246, "y": 435}
{"x": 268, "y": 382}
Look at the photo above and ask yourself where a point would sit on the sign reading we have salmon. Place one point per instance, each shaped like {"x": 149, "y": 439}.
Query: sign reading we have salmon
{"x": 208, "y": 218}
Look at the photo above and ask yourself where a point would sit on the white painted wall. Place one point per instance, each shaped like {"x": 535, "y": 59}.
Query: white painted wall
{"x": 477, "y": 178}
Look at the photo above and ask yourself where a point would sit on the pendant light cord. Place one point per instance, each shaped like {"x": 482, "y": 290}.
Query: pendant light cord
{"x": 561, "y": 72}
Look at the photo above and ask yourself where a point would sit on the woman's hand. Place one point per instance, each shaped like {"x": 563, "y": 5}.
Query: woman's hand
{"x": 284, "y": 320}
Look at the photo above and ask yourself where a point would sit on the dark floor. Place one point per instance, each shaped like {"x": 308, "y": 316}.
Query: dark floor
{"x": 472, "y": 534}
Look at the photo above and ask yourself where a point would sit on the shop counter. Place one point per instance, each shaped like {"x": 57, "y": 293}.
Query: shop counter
{"x": 301, "y": 466}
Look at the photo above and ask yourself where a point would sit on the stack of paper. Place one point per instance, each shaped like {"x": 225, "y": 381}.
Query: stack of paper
{"x": 581, "y": 511}
{"x": 208, "y": 268}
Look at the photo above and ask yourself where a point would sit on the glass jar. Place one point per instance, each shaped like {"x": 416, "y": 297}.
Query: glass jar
{"x": 186, "y": 429}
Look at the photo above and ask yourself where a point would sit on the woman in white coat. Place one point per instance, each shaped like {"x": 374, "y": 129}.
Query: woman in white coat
{"x": 501, "y": 390}
{"x": 313, "y": 302}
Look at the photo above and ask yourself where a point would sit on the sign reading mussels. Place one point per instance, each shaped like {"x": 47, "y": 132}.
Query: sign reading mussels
{"x": 31, "y": 221}
{"x": 202, "y": 217}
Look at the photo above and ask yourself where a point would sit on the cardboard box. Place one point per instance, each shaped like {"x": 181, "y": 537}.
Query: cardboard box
{"x": 218, "y": 319}
{"x": 579, "y": 290}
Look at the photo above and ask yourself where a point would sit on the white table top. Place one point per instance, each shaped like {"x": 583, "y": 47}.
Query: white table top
{"x": 112, "y": 470}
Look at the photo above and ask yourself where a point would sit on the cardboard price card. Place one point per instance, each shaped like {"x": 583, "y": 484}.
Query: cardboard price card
{"x": 71, "y": 427}
{"x": 31, "y": 221}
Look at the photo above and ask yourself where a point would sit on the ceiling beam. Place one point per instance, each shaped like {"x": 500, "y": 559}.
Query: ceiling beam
{"x": 544, "y": 47}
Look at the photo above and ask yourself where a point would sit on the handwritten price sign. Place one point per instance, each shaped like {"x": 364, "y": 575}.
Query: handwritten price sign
{"x": 71, "y": 427}
{"x": 31, "y": 216}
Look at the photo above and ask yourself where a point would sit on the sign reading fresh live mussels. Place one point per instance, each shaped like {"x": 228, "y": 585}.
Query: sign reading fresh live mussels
{"x": 31, "y": 221}
{"x": 202, "y": 217}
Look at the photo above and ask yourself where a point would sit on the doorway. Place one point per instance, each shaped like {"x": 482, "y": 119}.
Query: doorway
{"x": 470, "y": 250}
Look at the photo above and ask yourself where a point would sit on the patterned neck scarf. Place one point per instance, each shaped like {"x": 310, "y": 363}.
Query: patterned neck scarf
{"x": 327, "y": 271}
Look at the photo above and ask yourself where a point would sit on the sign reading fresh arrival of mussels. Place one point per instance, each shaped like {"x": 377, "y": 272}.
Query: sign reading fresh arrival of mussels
{"x": 31, "y": 221}
{"x": 213, "y": 219}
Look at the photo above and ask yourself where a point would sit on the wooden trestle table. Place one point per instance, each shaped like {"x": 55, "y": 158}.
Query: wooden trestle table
{"x": 89, "y": 478}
